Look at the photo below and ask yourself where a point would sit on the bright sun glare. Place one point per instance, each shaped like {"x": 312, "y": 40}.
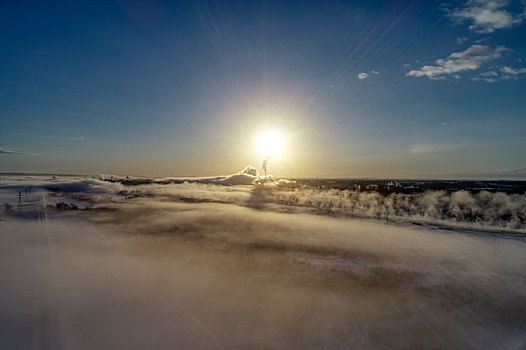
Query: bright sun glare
{"x": 271, "y": 144}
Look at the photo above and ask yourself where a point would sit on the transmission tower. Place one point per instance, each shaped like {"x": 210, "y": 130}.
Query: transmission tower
{"x": 20, "y": 201}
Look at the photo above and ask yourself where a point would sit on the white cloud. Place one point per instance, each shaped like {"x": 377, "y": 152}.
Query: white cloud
{"x": 489, "y": 74}
{"x": 462, "y": 40}
{"x": 486, "y": 16}
{"x": 363, "y": 76}
{"x": 470, "y": 59}
{"x": 375, "y": 72}
{"x": 78, "y": 138}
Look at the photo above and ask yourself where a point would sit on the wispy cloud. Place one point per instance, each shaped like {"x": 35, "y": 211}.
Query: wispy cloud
{"x": 362, "y": 76}
{"x": 7, "y": 151}
{"x": 513, "y": 71}
{"x": 470, "y": 59}
{"x": 486, "y": 79}
{"x": 78, "y": 138}
{"x": 461, "y": 40}
{"x": 516, "y": 173}
{"x": 375, "y": 72}
{"x": 487, "y": 16}
{"x": 489, "y": 76}
{"x": 504, "y": 73}
{"x": 423, "y": 149}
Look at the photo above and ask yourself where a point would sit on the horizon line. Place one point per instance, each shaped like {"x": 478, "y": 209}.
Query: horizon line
{"x": 424, "y": 178}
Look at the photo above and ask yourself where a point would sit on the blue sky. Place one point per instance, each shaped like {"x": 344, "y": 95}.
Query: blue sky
{"x": 175, "y": 88}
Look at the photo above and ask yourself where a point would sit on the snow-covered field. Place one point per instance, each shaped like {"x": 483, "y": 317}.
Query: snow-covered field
{"x": 205, "y": 266}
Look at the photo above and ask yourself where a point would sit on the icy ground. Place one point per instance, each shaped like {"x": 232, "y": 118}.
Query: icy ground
{"x": 204, "y": 266}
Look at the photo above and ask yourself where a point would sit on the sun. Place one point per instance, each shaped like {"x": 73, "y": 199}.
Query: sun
{"x": 271, "y": 144}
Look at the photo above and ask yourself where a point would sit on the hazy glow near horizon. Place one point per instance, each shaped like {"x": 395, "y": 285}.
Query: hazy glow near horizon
{"x": 271, "y": 144}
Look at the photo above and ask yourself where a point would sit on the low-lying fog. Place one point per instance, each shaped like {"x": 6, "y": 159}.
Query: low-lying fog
{"x": 204, "y": 266}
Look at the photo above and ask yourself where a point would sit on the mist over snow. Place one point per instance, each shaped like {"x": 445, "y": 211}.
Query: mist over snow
{"x": 483, "y": 210}
{"x": 201, "y": 263}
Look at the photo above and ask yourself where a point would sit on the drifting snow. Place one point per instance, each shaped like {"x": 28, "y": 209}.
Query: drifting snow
{"x": 89, "y": 187}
